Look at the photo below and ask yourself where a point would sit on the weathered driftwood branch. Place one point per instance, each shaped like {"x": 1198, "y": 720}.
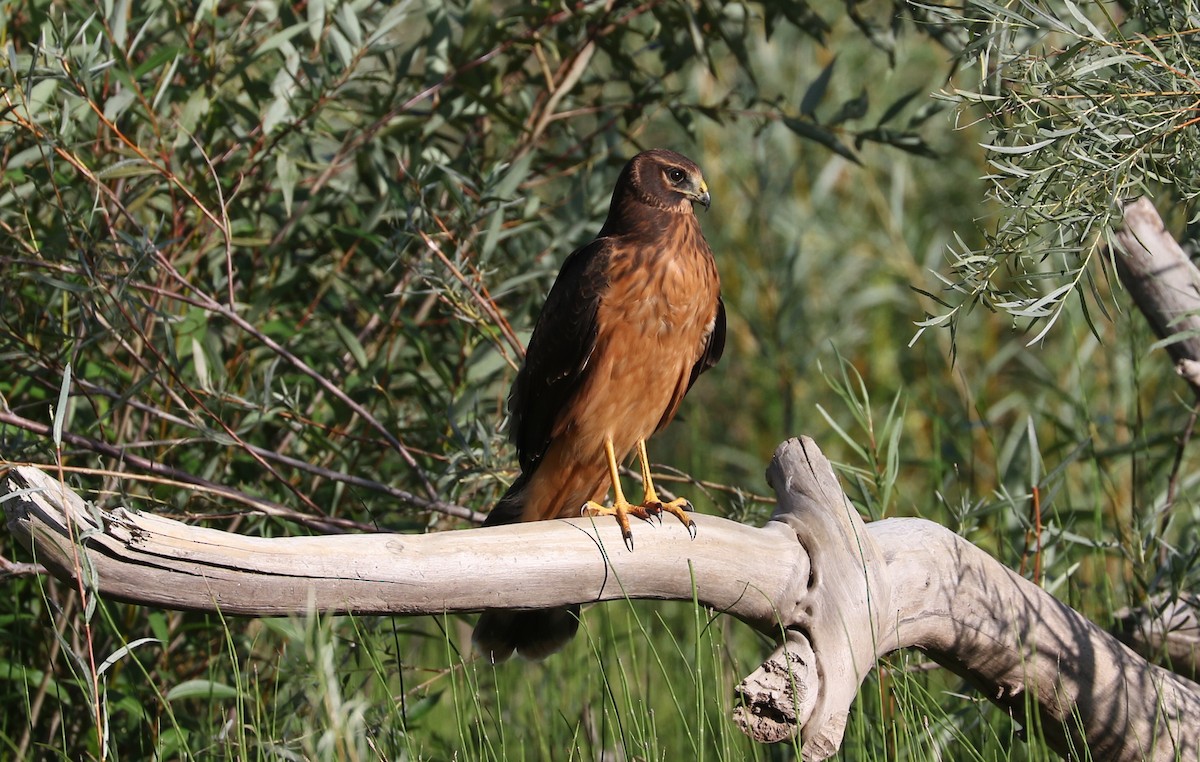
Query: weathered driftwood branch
{"x": 1165, "y": 630}
{"x": 1163, "y": 283}
{"x": 837, "y": 593}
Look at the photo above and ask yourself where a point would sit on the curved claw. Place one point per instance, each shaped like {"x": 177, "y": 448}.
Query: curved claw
{"x": 687, "y": 520}
{"x": 621, "y": 511}
{"x": 679, "y": 508}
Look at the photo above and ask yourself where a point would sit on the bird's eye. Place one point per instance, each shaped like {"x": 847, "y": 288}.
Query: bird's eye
{"x": 675, "y": 175}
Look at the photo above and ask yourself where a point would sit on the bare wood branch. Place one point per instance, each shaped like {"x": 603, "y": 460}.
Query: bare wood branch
{"x": 1163, "y": 283}
{"x": 13, "y": 569}
{"x": 1165, "y": 630}
{"x": 837, "y": 593}
{"x": 1165, "y": 286}
{"x": 1025, "y": 649}
{"x": 143, "y": 558}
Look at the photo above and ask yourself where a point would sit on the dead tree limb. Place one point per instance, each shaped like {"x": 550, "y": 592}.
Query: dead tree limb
{"x": 1163, "y": 283}
{"x": 838, "y": 594}
{"x": 1165, "y": 286}
{"x": 1165, "y": 630}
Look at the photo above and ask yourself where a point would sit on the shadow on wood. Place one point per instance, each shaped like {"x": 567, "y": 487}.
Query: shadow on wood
{"x": 837, "y": 594}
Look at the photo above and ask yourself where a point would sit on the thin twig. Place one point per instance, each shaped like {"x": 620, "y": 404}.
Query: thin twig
{"x": 439, "y": 506}
{"x": 267, "y": 507}
{"x": 19, "y": 569}
{"x": 223, "y": 205}
{"x": 213, "y": 305}
{"x": 486, "y": 303}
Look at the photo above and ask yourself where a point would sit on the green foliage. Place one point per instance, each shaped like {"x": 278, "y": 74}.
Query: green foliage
{"x": 271, "y": 268}
{"x": 1087, "y": 105}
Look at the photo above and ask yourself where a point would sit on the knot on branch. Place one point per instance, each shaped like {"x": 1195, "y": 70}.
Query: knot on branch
{"x": 778, "y": 696}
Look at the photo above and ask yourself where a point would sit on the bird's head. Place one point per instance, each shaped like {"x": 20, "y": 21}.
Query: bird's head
{"x": 666, "y": 180}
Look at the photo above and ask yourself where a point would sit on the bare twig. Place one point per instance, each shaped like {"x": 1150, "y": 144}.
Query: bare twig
{"x": 16, "y": 569}
{"x": 224, "y": 227}
{"x": 213, "y": 305}
{"x": 484, "y": 301}
{"x": 267, "y": 507}
{"x": 439, "y": 506}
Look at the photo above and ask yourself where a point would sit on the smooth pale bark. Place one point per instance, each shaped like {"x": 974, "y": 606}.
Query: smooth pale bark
{"x": 836, "y": 593}
{"x": 143, "y": 558}
{"x": 1163, "y": 283}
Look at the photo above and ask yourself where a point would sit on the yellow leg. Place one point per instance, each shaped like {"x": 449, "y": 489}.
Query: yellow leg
{"x": 622, "y": 509}
{"x": 650, "y": 502}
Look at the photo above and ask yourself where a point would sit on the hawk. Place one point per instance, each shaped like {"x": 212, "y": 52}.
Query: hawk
{"x": 631, "y": 322}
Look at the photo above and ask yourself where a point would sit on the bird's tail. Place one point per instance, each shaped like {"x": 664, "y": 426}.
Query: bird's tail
{"x": 533, "y": 634}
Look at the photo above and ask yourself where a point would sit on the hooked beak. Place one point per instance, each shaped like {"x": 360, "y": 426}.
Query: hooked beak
{"x": 702, "y": 197}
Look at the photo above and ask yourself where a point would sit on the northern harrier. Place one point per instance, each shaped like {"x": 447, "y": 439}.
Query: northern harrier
{"x": 632, "y": 320}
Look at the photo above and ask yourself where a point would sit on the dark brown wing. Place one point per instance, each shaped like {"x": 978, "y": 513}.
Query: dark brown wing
{"x": 558, "y": 352}
{"x": 715, "y": 346}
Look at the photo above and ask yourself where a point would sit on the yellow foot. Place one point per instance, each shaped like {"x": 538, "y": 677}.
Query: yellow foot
{"x": 653, "y": 505}
{"x": 622, "y": 510}
{"x": 679, "y": 508}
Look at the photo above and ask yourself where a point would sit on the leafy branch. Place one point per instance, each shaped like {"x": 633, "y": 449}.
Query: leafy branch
{"x": 1084, "y": 113}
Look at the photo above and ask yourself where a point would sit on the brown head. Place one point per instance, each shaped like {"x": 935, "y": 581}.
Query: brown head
{"x": 657, "y": 180}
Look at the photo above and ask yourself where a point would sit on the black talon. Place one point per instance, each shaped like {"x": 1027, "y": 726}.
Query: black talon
{"x": 628, "y": 541}
{"x": 692, "y": 529}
